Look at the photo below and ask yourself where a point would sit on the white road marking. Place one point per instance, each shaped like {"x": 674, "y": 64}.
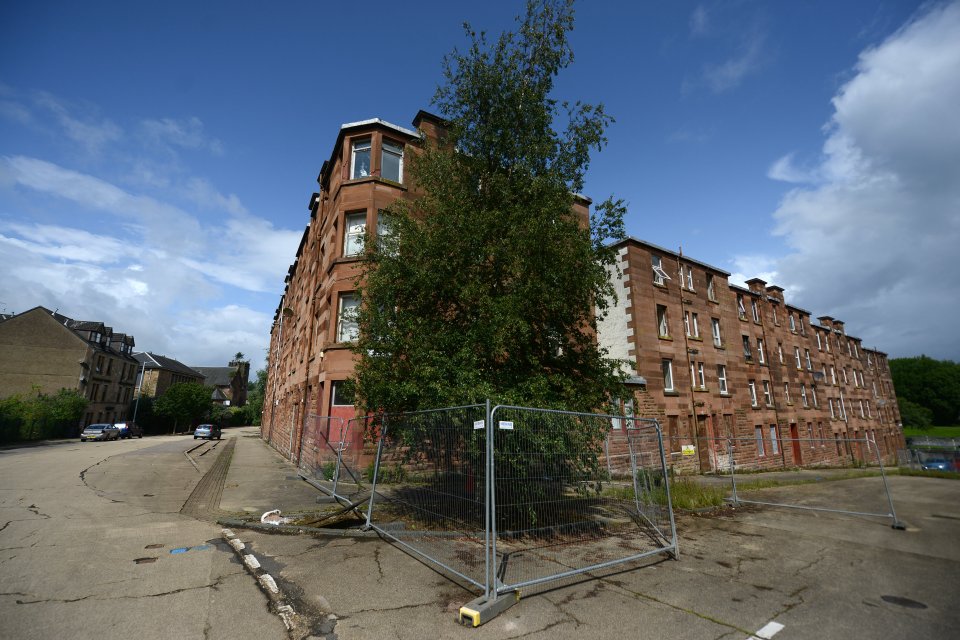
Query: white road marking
{"x": 768, "y": 631}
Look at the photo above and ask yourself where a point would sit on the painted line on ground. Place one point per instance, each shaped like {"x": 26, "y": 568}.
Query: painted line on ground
{"x": 767, "y": 631}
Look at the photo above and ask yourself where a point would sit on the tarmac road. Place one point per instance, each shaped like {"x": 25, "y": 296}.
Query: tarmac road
{"x": 93, "y": 545}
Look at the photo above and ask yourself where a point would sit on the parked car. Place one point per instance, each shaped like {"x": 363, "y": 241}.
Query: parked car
{"x": 209, "y": 431}
{"x": 99, "y": 432}
{"x": 129, "y": 430}
{"x": 936, "y": 464}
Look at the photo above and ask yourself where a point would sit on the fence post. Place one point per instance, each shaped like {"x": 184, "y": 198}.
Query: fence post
{"x": 899, "y": 526}
{"x": 491, "y": 462}
{"x": 733, "y": 466}
{"x": 666, "y": 484}
{"x": 487, "y": 518}
{"x": 376, "y": 470}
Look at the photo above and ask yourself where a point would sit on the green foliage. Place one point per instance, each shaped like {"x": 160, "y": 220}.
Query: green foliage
{"x": 486, "y": 286}
{"x": 931, "y": 384}
{"x": 915, "y": 415}
{"x": 253, "y": 410}
{"x": 184, "y": 402}
{"x": 41, "y": 416}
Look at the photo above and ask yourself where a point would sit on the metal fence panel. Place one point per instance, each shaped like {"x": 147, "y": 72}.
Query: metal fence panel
{"x": 429, "y": 489}
{"x": 330, "y": 455}
{"x": 748, "y": 454}
{"x": 560, "y": 508}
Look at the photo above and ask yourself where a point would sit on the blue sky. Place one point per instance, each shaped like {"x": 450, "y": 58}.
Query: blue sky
{"x": 156, "y": 161}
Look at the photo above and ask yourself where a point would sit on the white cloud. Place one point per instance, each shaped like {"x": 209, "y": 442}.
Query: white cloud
{"x": 91, "y": 135}
{"x": 699, "y": 21}
{"x": 186, "y": 134}
{"x": 874, "y": 240}
{"x": 731, "y": 72}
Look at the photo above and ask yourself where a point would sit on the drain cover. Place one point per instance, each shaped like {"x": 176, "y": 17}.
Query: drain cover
{"x": 145, "y": 560}
{"x": 154, "y": 546}
{"x": 903, "y": 602}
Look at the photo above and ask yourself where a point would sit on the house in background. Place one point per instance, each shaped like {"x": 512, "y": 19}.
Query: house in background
{"x": 229, "y": 383}
{"x": 161, "y": 372}
{"x": 45, "y": 351}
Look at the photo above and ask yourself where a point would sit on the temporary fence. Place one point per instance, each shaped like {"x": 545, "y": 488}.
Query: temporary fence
{"x": 330, "y": 453}
{"x": 753, "y": 454}
{"x": 514, "y": 497}
{"x": 929, "y": 459}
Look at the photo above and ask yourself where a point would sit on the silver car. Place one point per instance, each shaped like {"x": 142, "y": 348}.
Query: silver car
{"x": 209, "y": 431}
{"x": 100, "y": 432}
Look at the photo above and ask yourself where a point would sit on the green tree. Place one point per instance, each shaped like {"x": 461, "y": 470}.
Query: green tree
{"x": 914, "y": 415}
{"x": 254, "y": 407}
{"x": 487, "y": 284}
{"x": 40, "y": 416}
{"x": 184, "y": 402}
{"x": 929, "y": 383}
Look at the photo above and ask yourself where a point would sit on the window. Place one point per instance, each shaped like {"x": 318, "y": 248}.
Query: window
{"x": 810, "y": 434}
{"x": 347, "y": 327}
{"x": 715, "y": 322}
{"x": 747, "y": 353}
{"x": 663, "y": 325}
{"x": 861, "y": 380}
{"x": 353, "y": 231}
{"x": 780, "y": 352}
{"x": 874, "y": 383}
{"x": 819, "y": 342}
{"x": 776, "y": 320}
{"x": 786, "y": 391}
{"x": 341, "y": 394}
{"x": 767, "y": 396}
{"x": 842, "y": 405}
{"x": 761, "y": 357}
{"x": 826, "y": 342}
{"x": 806, "y": 353}
{"x": 673, "y": 433}
{"x": 689, "y": 278}
{"x": 849, "y": 349}
{"x": 793, "y": 323}
{"x": 869, "y": 359}
{"x": 360, "y": 159}
{"x": 803, "y": 327}
{"x": 755, "y": 310}
{"x": 741, "y": 311}
{"x": 869, "y": 411}
{"x": 692, "y": 324}
{"x": 863, "y": 414}
{"x": 833, "y": 414}
{"x": 391, "y": 161}
{"x": 711, "y": 292}
{"x": 803, "y": 395}
{"x": 844, "y": 371}
{"x": 758, "y": 435}
{"x": 722, "y": 378}
{"x": 384, "y": 229}
{"x": 700, "y": 377}
{"x": 666, "y": 366}
{"x": 796, "y": 353}
{"x": 659, "y": 275}
{"x": 823, "y": 435}
{"x": 752, "y": 386}
{"x": 774, "y": 444}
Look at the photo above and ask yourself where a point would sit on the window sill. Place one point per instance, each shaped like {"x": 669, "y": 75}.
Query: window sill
{"x": 701, "y": 389}
{"x": 713, "y": 300}
{"x": 660, "y": 285}
{"x": 673, "y": 394}
{"x": 666, "y": 338}
{"x": 367, "y": 179}
{"x": 697, "y": 338}
{"x": 726, "y": 394}
{"x": 759, "y": 324}
{"x": 742, "y": 318}
{"x": 719, "y": 346}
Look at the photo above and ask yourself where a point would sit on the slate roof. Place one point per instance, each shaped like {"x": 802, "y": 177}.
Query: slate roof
{"x": 156, "y": 361}
{"x": 217, "y": 376}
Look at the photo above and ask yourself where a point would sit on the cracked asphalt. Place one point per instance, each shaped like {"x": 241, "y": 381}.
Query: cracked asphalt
{"x": 76, "y": 519}
{"x": 86, "y": 535}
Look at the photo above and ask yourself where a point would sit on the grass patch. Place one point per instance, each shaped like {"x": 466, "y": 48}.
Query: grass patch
{"x": 932, "y": 473}
{"x": 932, "y": 432}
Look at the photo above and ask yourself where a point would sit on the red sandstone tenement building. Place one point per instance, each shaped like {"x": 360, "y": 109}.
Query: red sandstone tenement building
{"x": 711, "y": 360}
{"x": 707, "y": 358}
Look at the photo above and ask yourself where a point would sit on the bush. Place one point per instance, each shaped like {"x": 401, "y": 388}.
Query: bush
{"x": 41, "y": 416}
{"x": 915, "y": 415}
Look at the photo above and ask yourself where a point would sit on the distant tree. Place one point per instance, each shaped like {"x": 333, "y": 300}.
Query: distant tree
{"x": 39, "y": 415}
{"x": 238, "y": 356}
{"x": 914, "y": 415}
{"x": 254, "y": 407}
{"x": 487, "y": 284}
{"x": 185, "y": 402}
{"x": 929, "y": 383}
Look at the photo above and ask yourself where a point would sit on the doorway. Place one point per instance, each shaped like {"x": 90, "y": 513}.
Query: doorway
{"x": 795, "y": 440}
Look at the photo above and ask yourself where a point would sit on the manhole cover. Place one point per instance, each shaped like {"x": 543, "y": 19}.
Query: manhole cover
{"x": 148, "y": 495}
{"x": 154, "y": 546}
{"x": 145, "y": 560}
{"x": 903, "y": 602}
